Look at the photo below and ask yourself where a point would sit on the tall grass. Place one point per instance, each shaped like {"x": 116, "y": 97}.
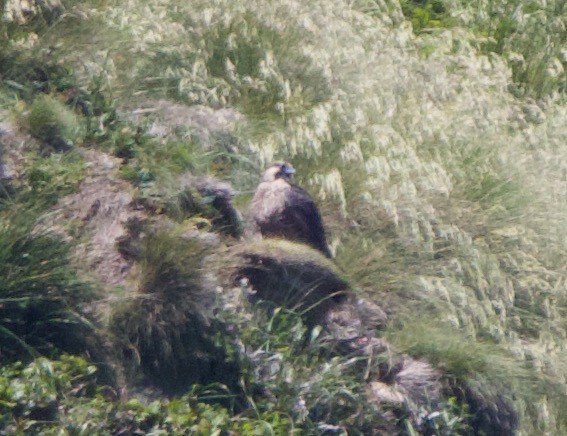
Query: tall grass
{"x": 412, "y": 158}
{"x": 42, "y": 300}
{"x": 164, "y": 327}
{"x": 531, "y": 34}
{"x": 441, "y": 189}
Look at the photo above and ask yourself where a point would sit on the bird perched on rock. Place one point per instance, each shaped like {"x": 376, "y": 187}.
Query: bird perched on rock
{"x": 284, "y": 210}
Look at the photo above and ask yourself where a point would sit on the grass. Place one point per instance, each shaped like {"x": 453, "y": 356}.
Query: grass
{"x": 163, "y": 327}
{"x": 41, "y": 297}
{"x": 514, "y": 28}
{"x": 450, "y": 349}
{"x": 48, "y": 179}
{"x": 53, "y": 123}
{"x": 439, "y": 187}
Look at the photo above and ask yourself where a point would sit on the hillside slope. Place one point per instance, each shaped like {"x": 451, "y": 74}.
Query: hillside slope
{"x": 432, "y": 135}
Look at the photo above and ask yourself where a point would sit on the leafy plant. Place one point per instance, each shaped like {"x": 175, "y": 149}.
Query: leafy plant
{"x": 452, "y": 418}
{"x": 30, "y": 395}
{"x": 50, "y": 396}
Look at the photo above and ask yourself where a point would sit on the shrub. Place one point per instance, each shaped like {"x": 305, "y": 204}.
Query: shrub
{"x": 294, "y": 373}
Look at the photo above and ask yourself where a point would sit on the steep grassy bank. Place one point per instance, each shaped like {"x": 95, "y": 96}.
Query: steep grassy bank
{"x": 432, "y": 134}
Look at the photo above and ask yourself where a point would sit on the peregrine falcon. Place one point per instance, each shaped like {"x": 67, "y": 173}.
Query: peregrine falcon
{"x": 284, "y": 210}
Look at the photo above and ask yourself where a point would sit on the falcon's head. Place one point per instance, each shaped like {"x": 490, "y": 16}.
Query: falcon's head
{"x": 278, "y": 170}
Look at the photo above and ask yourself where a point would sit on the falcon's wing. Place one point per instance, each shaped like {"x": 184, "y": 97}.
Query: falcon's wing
{"x": 302, "y": 211}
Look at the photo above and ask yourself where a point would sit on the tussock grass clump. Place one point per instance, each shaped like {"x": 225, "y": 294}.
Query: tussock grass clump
{"x": 484, "y": 375}
{"x": 290, "y": 274}
{"x": 52, "y": 122}
{"x": 211, "y": 200}
{"x": 164, "y": 326}
{"x": 265, "y": 68}
{"x": 203, "y": 201}
{"x": 532, "y": 35}
{"x": 41, "y": 297}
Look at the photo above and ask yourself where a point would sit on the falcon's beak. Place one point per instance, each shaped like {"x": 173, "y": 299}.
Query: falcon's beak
{"x": 289, "y": 170}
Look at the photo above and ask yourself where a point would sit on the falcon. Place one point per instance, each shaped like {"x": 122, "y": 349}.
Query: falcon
{"x": 282, "y": 209}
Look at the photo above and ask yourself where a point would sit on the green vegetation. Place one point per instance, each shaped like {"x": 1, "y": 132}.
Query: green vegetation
{"x": 517, "y": 29}
{"x": 316, "y": 390}
{"x": 163, "y": 327}
{"x": 63, "y": 395}
{"x": 41, "y": 297}
{"x": 530, "y": 34}
{"x": 432, "y": 135}
{"x": 51, "y": 122}
{"x": 426, "y": 15}
{"x": 48, "y": 179}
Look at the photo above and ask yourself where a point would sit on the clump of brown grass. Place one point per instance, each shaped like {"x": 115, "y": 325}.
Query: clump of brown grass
{"x": 164, "y": 325}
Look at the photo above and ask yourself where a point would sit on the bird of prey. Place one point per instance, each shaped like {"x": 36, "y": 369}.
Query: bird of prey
{"x": 284, "y": 210}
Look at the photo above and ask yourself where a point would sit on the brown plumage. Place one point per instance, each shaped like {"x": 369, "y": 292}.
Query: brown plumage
{"x": 284, "y": 210}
